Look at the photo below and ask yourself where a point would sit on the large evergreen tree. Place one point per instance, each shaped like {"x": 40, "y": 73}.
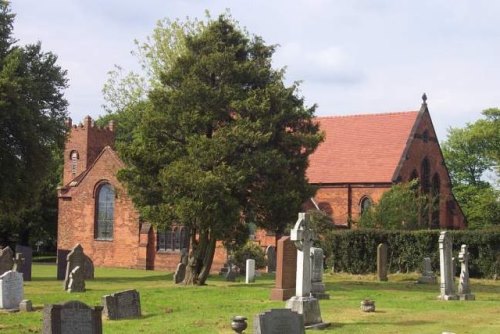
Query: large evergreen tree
{"x": 222, "y": 143}
{"x": 32, "y": 114}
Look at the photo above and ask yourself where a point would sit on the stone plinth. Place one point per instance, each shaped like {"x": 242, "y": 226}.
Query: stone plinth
{"x": 309, "y": 308}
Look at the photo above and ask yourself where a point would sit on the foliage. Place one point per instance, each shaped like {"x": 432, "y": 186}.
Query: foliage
{"x": 399, "y": 208}
{"x": 355, "y": 251}
{"x": 223, "y": 142}
{"x": 249, "y": 250}
{"x": 33, "y": 130}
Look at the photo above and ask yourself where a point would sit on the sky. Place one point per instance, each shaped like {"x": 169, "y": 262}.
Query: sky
{"x": 352, "y": 56}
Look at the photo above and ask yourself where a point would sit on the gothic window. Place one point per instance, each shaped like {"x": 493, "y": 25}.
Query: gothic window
{"x": 425, "y": 172}
{"x": 365, "y": 204}
{"x": 172, "y": 239}
{"x": 105, "y": 206}
{"x": 74, "y": 162}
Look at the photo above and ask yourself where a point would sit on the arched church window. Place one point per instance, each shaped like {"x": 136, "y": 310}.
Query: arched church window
{"x": 365, "y": 204}
{"x": 74, "y": 162}
{"x": 425, "y": 172}
{"x": 105, "y": 207}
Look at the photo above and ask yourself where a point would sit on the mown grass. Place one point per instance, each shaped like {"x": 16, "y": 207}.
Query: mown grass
{"x": 401, "y": 305}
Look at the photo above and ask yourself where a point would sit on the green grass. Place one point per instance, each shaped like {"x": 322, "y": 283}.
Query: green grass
{"x": 401, "y": 305}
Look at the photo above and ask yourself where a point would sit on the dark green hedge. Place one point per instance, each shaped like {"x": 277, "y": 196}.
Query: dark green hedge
{"x": 355, "y": 251}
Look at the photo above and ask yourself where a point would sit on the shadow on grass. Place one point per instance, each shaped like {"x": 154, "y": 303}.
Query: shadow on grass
{"x": 114, "y": 279}
{"x": 398, "y": 286}
{"x": 408, "y": 323}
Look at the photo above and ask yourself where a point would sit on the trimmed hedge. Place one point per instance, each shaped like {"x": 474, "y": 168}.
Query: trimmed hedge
{"x": 355, "y": 251}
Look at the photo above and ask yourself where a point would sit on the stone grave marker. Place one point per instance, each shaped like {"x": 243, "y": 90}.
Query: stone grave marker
{"x": 271, "y": 259}
{"x": 18, "y": 263}
{"x": 6, "y": 260}
{"x": 382, "y": 262}
{"x": 72, "y": 317}
{"x": 76, "y": 280}
{"x": 250, "y": 271}
{"x": 286, "y": 270}
{"x": 317, "y": 285}
{"x": 11, "y": 290}
{"x": 278, "y": 321}
{"x": 180, "y": 271}
{"x": 75, "y": 258}
{"x": 428, "y": 276}
{"x": 88, "y": 268}
{"x": 26, "y": 305}
{"x": 122, "y": 305}
{"x": 447, "y": 287}
{"x": 464, "y": 292}
{"x": 62, "y": 262}
{"x": 27, "y": 253}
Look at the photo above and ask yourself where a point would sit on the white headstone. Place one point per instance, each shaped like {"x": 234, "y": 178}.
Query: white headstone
{"x": 11, "y": 290}
{"x": 464, "y": 292}
{"x": 446, "y": 268}
{"x": 250, "y": 271}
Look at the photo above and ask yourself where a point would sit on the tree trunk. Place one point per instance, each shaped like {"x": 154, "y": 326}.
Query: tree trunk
{"x": 200, "y": 259}
{"x": 207, "y": 261}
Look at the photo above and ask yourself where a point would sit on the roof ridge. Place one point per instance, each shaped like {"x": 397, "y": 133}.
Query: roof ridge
{"x": 368, "y": 114}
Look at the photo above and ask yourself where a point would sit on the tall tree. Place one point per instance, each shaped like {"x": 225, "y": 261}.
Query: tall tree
{"x": 32, "y": 116}
{"x": 222, "y": 143}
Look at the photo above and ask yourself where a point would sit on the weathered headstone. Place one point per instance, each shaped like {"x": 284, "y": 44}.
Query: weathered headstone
{"x": 428, "y": 276}
{"x": 271, "y": 259}
{"x": 62, "y": 263}
{"x": 180, "y": 271}
{"x": 464, "y": 292}
{"x": 26, "y": 305}
{"x": 88, "y": 268}
{"x": 382, "y": 262}
{"x": 447, "y": 287}
{"x": 278, "y": 321}
{"x": 27, "y": 253}
{"x": 122, "y": 305}
{"x": 317, "y": 285}
{"x": 303, "y": 303}
{"x": 231, "y": 273}
{"x": 250, "y": 271}
{"x": 11, "y": 290}
{"x": 75, "y": 258}
{"x": 76, "y": 280}
{"x": 6, "y": 260}
{"x": 72, "y": 317}
{"x": 286, "y": 270}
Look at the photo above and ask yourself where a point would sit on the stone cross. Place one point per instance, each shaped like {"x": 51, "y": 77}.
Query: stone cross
{"x": 464, "y": 292}
{"x": 446, "y": 268}
{"x": 18, "y": 262}
{"x": 303, "y": 238}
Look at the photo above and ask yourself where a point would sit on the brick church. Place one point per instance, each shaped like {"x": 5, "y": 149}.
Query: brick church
{"x": 361, "y": 158}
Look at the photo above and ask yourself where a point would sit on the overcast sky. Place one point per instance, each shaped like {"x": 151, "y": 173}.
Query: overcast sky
{"x": 353, "y": 56}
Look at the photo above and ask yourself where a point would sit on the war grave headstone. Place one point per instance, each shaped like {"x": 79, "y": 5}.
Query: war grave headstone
{"x": 72, "y": 317}
{"x": 122, "y": 305}
{"x": 286, "y": 270}
{"x": 27, "y": 254}
{"x": 180, "y": 271}
{"x": 303, "y": 303}
{"x": 317, "y": 285}
{"x": 62, "y": 263}
{"x": 75, "y": 258}
{"x": 447, "y": 287}
{"x": 382, "y": 262}
{"x": 278, "y": 321}
{"x": 271, "y": 259}
{"x": 250, "y": 271}
{"x": 464, "y": 292}
{"x": 11, "y": 290}
{"x": 6, "y": 259}
{"x": 428, "y": 276}
{"x": 76, "y": 280}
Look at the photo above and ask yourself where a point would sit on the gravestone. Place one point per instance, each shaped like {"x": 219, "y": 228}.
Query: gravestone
{"x": 447, "y": 287}
{"x": 75, "y": 258}
{"x": 250, "y": 271}
{"x": 11, "y": 290}
{"x": 382, "y": 262}
{"x": 231, "y": 273}
{"x": 122, "y": 305}
{"x": 317, "y": 285}
{"x": 271, "y": 259}
{"x": 428, "y": 276}
{"x": 6, "y": 260}
{"x": 18, "y": 263}
{"x": 278, "y": 321}
{"x": 27, "y": 253}
{"x": 88, "y": 268}
{"x": 180, "y": 271}
{"x": 303, "y": 303}
{"x": 72, "y": 317}
{"x": 286, "y": 270}
{"x": 26, "y": 305}
{"x": 464, "y": 292}
{"x": 76, "y": 280}
{"x": 62, "y": 263}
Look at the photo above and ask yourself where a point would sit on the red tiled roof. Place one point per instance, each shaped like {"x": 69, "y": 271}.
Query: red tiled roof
{"x": 360, "y": 148}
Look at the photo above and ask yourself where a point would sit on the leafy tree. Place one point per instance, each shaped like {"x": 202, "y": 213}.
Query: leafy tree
{"x": 222, "y": 143}
{"x": 32, "y": 116}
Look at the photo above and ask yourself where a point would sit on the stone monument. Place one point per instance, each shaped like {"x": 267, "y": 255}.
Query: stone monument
{"x": 122, "y": 305}
{"x": 27, "y": 253}
{"x": 317, "y": 285}
{"x": 286, "y": 270}
{"x": 72, "y": 317}
{"x": 76, "y": 280}
{"x": 180, "y": 271}
{"x": 303, "y": 303}
{"x": 428, "y": 276}
{"x": 11, "y": 290}
{"x": 6, "y": 260}
{"x": 88, "y": 268}
{"x": 18, "y": 263}
{"x": 278, "y": 321}
{"x": 271, "y": 259}
{"x": 250, "y": 271}
{"x": 62, "y": 263}
{"x": 464, "y": 292}
{"x": 382, "y": 262}
{"x": 75, "y": 258}
{"x": 446, "y": 268}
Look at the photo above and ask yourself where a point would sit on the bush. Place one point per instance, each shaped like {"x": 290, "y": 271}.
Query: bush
{"x": 355, "y": 251}
{"x": 250, "y": 250}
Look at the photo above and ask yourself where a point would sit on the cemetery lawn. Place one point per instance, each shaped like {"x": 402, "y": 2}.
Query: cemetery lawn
{"x": 401, "y": 305}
